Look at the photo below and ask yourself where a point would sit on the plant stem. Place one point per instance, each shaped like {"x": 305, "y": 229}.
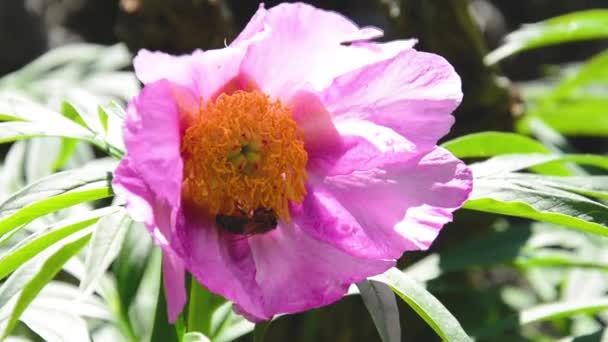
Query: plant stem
{"x": 199, "y": 308}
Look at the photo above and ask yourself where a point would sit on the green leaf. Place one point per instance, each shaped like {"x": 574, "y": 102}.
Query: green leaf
{"x": 515, "y": 162}
{"x": 52, "y": 193}
{"x": 571, "y": 27}
{"x": 130, "y": 265}
{"x": 545, "y": 312}
{"x": 489, "y": 144}
{"x": 201, "y": 307}
{"x": 537, "y": 202}
{"x": 50, "y": 268}
{"x": 195, "y": 337}
{"x": 592, "y": 72}
{"x": 260, "y": 330}
{"x": 108, "y": 237}
{"x": 163, "y": 331}
{"x": 592, "y": 186}
{"x": 69, "y": 111}
{"x": 381, "y": 303}
{"x": 30, "y": 247}
{"x": 576, "y": 116}
{"x": 68, "y": 147}
{"x": 496, "y": 247}
{"x": 425, "y": 305}
{"x": 103, "y": 118}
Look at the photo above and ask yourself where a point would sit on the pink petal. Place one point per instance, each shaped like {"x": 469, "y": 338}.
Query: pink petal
{"x": 297, "y": 272}
{"x": 413, "y": 93}
{"x": 152, "y": 137}
{"x": 300, "y": 40}
{"x": 221, "y": 262}
{"x": 285, "y": 270}
{"x": 320, "y": 135}
{"x": 174, "y": 283}
{"x": 392, "y": 206}
{"x": 204, "y": 73}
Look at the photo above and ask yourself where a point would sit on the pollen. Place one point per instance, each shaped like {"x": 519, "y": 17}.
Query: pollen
{"x": 244, "y": 151}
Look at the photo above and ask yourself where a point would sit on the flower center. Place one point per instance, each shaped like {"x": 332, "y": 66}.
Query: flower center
{"x": 244, "y": 152}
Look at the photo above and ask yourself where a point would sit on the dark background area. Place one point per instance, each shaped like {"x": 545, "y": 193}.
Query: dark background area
{"x": 460, "y": 30}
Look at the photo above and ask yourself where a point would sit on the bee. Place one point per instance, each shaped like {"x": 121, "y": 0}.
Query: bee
{"x": 262, "y": 221}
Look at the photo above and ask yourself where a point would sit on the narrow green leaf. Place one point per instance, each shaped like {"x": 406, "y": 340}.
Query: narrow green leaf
{"x": 50, "y": 268}
{"x": 592, "y": 72}
{"x": 545, "y": 312}
{"x": 103, "y": 118}
{"x": 425, "y": 304}
{"x": 201, "y": 307}
{"x": 30, "y": 247}
{"x": 195, "y": 337}
{"x": 131, "y": 263}
{"x": 515, "y": 162}
{"x": 68, "y": 147}
{"x": 592, "y": 186}
{"x": 537, "y": 202}
{"x": 381, "y": 303}
{"x": 571, "y": 27}
{"x": 108, "y": 237}
{"x": 489, "y": 144}
{"x": 163, "y": 331}
{"x": 69, "y": 111}
{"x": 574, "y": 116}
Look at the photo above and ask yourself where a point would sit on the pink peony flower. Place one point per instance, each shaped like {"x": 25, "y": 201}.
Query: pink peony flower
{"x": 296, "y": 161}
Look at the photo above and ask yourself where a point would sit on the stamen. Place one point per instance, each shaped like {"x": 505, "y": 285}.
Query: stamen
{"x": 242, "y": 153}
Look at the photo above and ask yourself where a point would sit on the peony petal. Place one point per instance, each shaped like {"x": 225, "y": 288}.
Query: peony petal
{"x": 128, "y": 185}
{"x": 152, "y": 137}
{"x": 392, "y": 206}
{"x": 320, "y": 135}
{"x": 221, "y": 262}
{"x": 301, "y": 39}
{"x": 413, "y": 93}
{"x": 296, "y": 272}
{"x": 206, "y": 74}
{"x": 174, "y": 283}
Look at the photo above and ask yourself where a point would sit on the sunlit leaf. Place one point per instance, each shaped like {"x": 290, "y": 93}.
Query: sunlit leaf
{"x": 50, "y": 268}
{"x": 381, "y": 303}
{"x": 489, "y": 144}
{"x": 425, "y": 305}
{"x": 108, "y": 237}
{"x": 30, "y": 247}
{"x": 537, "y": 202}
{"x": 58, "y": 191}
{"x": 571, "y": 27}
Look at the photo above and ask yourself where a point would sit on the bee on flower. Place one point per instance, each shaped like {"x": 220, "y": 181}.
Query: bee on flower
{"x": 294, "y": 162}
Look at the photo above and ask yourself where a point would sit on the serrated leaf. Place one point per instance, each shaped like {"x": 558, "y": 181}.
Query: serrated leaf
{"x": 380, "y": 301}
{"x": 108, "y": 237}
{"x": 425, "y": 305}
{"x": 48, "y": 271}
{"x": 571, "y": 27}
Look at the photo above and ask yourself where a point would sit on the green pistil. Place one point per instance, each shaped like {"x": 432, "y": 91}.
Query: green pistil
{"x": 247, "y": 157}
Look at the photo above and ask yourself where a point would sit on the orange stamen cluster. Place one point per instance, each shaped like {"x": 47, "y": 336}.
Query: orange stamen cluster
{"x": 244, "y": 152}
